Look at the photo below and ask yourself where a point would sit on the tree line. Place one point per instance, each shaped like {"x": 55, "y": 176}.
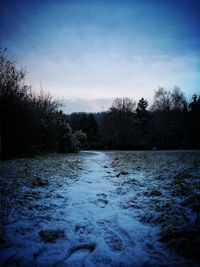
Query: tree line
{"x": 33, "y": 123}
{"x": 170, "y": 123}
{"x": 30, "y": 123}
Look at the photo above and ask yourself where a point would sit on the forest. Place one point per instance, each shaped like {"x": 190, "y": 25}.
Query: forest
{"x": 129, "y": 198}
{"x": 33, "y": 123}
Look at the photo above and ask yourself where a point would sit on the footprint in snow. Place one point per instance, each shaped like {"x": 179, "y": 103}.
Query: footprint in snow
{"x": 102, "y": 201}
{"x": 103, "y": 195}
{"x": 77, "y": 255}
{"x": 111, "y": 237}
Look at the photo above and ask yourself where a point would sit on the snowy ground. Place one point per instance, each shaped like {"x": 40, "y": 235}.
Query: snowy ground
{"x": 101, "y": 209}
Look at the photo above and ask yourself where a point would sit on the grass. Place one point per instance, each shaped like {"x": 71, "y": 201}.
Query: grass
{"x": 50, "y": 236}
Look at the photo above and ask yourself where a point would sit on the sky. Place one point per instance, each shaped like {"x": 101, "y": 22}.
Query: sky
{"x": 89, "y": 52}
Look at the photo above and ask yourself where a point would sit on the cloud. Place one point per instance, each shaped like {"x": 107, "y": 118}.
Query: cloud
{"x": 104, "y": 49}
{"x": 109, "y": 75}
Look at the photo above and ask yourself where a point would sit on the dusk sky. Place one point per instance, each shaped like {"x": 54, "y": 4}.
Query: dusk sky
{"x": 90, "y": 52}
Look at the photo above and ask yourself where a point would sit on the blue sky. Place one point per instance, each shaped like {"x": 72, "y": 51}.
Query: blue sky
{"x": 89, "y": 52}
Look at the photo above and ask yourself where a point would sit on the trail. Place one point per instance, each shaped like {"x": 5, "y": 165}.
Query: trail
{"x": 90, "y": 223}
{"x": 97, "y": 217}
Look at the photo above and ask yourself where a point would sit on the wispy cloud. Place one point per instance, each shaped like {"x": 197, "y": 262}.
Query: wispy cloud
{"x": 102, "y": 49}
{"x": 109, "y": 75}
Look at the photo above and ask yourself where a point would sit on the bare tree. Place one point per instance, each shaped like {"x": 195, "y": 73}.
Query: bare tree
{"x": 162, "y": 100}
{"x": 178, "y": 101}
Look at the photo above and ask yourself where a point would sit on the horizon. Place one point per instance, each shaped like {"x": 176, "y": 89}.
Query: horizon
{"x": 89, "y": 52}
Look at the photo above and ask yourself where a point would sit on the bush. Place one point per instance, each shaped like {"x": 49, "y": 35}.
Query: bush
{"x": 30, "y": 123}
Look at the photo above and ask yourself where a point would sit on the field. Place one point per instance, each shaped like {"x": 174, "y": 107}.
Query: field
{"x": 114, "y": 208}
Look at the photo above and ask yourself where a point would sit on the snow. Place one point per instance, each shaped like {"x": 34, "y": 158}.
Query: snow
{"x": 97, "y": 208}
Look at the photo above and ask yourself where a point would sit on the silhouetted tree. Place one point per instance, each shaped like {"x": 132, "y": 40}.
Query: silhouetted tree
{"x": 118, "y": 124}
{"x": 194, "y": 118}
{"x": 178, "y": 119}
{"x": 169, "y": 119}
{"x": 13, "y": 107}
{"x": 142, "y": 107}
{"x": 29, "y": 123}
{"x": 178, "y": 101}
{"x": 142, "y": 127}
{"x": 162, "y": 100}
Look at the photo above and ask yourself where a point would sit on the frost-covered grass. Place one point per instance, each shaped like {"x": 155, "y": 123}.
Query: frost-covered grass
{"x": 24, "y": 179}
{"x": 165, "y": 192}
{"x": 101, "y": 209}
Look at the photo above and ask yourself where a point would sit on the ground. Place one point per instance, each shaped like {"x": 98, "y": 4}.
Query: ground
{"x": 95, "y": 208}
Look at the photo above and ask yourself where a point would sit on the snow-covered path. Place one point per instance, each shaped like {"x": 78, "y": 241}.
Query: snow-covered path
{"x": 96, "y": 217}
{"x": 102, "y": 233}
{"x": 85, "y": 221}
